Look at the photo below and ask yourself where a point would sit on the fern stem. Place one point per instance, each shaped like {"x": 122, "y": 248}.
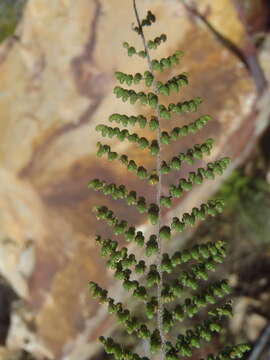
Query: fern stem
{"x": 158, "y": 194}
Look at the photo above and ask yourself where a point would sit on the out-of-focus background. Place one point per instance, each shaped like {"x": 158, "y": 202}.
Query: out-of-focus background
{"x": 57, "y": 64}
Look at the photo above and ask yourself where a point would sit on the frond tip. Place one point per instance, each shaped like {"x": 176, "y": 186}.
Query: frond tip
{"x": 148, "y": 21}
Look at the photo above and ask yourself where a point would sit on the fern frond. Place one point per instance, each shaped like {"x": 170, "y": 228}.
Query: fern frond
{"x": 191, "y": 128}
{"x": 195, "y": 178}
{"x": 212, "y": 207}
{"x": 120, "y": 192}
{"x": 132, "y": 120}
{"x": 168, "y": 62}
{"x": 186, "y": 286}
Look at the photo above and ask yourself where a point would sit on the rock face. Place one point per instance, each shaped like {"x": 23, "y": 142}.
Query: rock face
{"x": 56, "y": 86}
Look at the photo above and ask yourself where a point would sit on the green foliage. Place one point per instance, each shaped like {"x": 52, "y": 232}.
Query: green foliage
{"x": 240, "y": 187}
{"x": 188, "y": 268}
{"x": 248, "y": 204}
{"x": 10, "y": 14}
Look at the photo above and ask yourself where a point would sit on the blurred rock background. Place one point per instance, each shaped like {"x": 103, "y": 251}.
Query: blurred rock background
{"x": 57, "y": 63}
